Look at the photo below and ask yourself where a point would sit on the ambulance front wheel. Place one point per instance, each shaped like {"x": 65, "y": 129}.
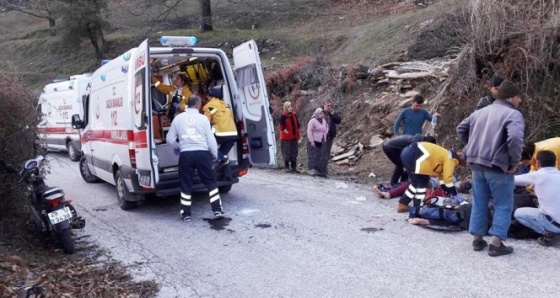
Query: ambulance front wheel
{"x": 125, "y": 199}
{"x": 73, "y": 153}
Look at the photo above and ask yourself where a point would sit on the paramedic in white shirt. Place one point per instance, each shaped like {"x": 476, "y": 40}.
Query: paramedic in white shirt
{"x": 546, "y": 218}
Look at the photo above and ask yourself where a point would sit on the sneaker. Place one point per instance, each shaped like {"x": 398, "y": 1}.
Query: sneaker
{"x": 496, "y": 251}
{"x": 186, "y": 218}
{"x": 312, "y": 172}
{"x": 323, "y": 175}
{"x": 478, "y": 245}
{"x": 547, "y": 239}
{"x": 218, "y": 214}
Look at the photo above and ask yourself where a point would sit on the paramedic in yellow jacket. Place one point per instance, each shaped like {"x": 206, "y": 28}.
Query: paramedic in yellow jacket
{"x": 179, "y": 88}
{"x": 530, "y": 151}
{"x": 422, "y": 160}
{"x": 221, "y": 117}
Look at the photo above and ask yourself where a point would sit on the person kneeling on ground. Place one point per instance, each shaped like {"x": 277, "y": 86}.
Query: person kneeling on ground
{"x": 384, "y": 192}
{"x": 422, "y": 160}
{"x": 544, "y": 220}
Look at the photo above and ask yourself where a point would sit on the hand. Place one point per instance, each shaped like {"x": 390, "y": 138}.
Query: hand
{"x": 452, "y": 191}
{"x": 512, "y": 170}
{"x": 312, "y": 144}
{"x": 285, "y": 131}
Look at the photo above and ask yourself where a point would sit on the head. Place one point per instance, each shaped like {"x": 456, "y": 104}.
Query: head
{"x": 318, "y": 113}
{"x": 417, "y": 102}
{"x": 493, "y": 83}
{"x": 180, "y": 80}
{"x": 430, "y": 139}
{"x": 216, "y": 91}
{"x": 527, "y": 153}
{"x": 287, "y": 107}
{"x": 546, "y": 158}
{"x": 510, "y": 92}
{"x": 194, "y": 102}
{"x": 327, "y": 107}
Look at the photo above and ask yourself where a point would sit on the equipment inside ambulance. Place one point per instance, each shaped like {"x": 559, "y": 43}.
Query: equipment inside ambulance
{"x": 125, "y": 121}
{"x": 57, "y": 103}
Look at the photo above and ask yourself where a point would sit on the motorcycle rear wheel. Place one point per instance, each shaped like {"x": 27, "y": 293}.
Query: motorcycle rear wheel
{"x": 67, "y": 241}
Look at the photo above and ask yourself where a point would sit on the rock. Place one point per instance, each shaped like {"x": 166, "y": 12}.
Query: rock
{"x": 336, "y": 150}
{"x": 409, "y": 75}
{"x": 410, "y": 93}
{"x": 343, "y": 162}
{"x": 375, "y": 141}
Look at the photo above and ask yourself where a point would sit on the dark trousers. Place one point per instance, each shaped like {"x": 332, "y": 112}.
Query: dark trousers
{"x": 317, "y": 159}
{"x": 399, "y": 174}
{"x": 226, "y": 143}
{"x": 289, "y": 153}
{"x": 201, "y": 161}
{"x": 419, "y": 183}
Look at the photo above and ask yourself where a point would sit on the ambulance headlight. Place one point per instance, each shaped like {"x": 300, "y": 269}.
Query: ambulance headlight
{"x": 178, "y": 41}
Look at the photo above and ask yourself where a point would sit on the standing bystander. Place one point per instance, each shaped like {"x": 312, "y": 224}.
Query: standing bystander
{"x": 333, "y": 119}
{"x": 412, "y": 118}
{"x": 492, "y": 85}
{"x": 493, "y": 139}
{"x": 317, "y": 130}
{"x": 289, "y": 137}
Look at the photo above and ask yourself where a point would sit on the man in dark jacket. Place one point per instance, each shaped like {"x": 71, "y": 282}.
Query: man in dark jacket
{"x": 492, "y": 85}
{"x": 393, "y": 149}
{"x": 332, "y": 119}
{"x": 493, "y": 139}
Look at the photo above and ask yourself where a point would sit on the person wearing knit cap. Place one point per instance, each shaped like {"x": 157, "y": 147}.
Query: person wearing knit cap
{"x": 493, "y": 139}
{"x": 492, "y": 84}
{"x": 317, "y": 130}
{"x": 289, "y": 137}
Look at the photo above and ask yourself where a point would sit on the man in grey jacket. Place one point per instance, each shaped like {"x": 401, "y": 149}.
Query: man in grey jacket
{"x": 493, "y": 139}
{"x": 199, "y": 149}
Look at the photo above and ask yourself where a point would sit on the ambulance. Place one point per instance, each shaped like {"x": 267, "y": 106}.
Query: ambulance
{"x": 57, "y": 103}
{"x": 124, "y": 123}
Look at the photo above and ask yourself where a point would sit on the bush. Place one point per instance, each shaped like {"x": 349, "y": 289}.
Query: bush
{"x": 17, "y": 136}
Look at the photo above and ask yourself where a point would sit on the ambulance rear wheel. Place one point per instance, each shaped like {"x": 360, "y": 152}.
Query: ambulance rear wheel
{"x": 125, "y": 198}
{"x": 73, "y": 154}
{"x": 84, "y": 171}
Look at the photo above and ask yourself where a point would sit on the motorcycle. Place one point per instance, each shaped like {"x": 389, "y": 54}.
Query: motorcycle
{"x": 49, "y": 209}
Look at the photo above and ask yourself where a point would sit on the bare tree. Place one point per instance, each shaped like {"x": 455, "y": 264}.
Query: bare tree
{"x": 43, "y": 9}
{"x": 205, "y": 16}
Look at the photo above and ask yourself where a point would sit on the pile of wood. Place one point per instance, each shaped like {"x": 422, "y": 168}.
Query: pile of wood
{"x": 349, "y": 155}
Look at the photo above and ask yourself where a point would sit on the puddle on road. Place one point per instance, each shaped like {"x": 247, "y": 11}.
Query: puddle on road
{"x": 218, "y": 224}
{"x": 263, "y": 226}
{"x": 371, "y": 230}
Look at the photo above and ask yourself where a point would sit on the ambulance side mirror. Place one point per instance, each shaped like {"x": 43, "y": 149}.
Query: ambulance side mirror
{"x": 77, "y": 123}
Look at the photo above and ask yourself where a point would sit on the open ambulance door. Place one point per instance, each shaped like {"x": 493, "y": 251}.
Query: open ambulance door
{"x": 253, "y": 101}
{"x": 142, "y": 144}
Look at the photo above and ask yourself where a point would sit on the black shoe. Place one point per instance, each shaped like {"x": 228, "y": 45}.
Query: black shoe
{"x": 496, "y": 251}
{"x": 294, "y": 171}
{"x": 547, "y": 239}
{"x": 185, "y": 218}
{"x": 323, "y": 175}
{"x": 479, "y": 245}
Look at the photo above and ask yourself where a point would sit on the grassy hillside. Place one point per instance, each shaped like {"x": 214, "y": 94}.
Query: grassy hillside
{"x": 367, "y": 32}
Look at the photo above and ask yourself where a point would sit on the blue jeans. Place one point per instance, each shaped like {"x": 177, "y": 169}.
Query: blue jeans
{"x": 535, "y": 220}
{"x": 499, "y": 187}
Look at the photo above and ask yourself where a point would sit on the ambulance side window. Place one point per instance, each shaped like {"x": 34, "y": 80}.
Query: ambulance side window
{"x": 85, "y": 102}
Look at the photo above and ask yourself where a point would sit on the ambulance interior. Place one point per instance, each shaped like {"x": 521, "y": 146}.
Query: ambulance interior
{"x": 203, "y": 72}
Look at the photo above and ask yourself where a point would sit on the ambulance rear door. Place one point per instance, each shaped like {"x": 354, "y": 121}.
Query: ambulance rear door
{"x": 146, "y": 162}
{"x": 253, "y": 101}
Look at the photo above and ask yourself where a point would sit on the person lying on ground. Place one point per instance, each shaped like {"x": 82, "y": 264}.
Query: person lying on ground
{"x": 398, "y": 190}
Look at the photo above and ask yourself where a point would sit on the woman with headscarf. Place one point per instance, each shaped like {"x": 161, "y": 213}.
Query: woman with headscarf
{"x": 289, "y": 137}
{"x": 317, "y": 130}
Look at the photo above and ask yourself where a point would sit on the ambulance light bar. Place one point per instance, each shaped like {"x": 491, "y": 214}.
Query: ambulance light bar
{"x": 178, "y": 41}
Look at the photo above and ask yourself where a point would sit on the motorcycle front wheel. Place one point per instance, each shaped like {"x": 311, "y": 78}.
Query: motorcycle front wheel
{"x": 67, "y": 241}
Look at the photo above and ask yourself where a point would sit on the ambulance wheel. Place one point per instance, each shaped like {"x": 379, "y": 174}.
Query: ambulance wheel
{"x": 125, "y": 198}
{"x": 224, "y": 189}
{"x": 73, "y": 154}
{"x": 84, "y": 171}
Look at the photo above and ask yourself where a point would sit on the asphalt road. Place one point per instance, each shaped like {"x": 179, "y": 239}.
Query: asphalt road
{"x": 289, "y": 235}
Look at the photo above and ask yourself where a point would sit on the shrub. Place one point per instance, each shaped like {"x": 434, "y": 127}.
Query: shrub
{"x": 17, "y": 136}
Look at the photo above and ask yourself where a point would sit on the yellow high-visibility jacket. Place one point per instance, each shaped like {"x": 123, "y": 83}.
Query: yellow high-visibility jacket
{"x": 436, "y": 161}
{"x": 553, "y": 145}
{"x": 221, "y": 117}
{"x": 170, "y": 91}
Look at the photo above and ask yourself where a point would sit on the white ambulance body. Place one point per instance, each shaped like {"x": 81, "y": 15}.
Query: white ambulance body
{"x": 124, "y": 126}
{"x": 57, "y": 103}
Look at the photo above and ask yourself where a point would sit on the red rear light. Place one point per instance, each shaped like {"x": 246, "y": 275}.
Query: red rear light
{"x": 244, "y": 143}
{"x": 54, "y": 202}
{"x": 243, "y": 172}
{"x": 131, "y": 149}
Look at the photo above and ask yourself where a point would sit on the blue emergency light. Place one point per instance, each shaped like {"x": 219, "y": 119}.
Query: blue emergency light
{"x": 178, "y": 41}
